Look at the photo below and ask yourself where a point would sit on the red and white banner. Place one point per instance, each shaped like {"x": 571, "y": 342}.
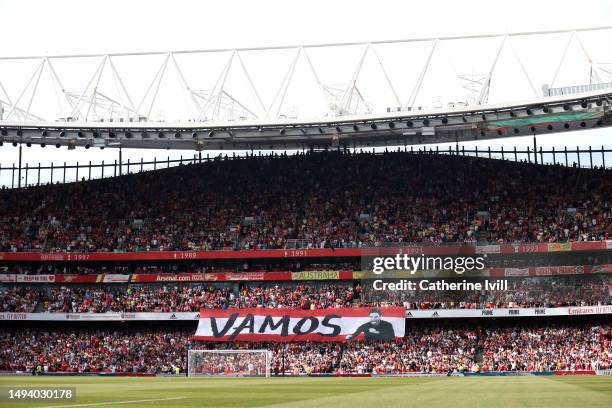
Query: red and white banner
{"x": 304, "y": 253}
{"x": 283, "y": 325}
{"x": 114, "y": 278}
{"x": 558, "y": 270}
{"x": 77, "y": 279}
{"x": 245, "y": 276}
{"x": 27, "y": 278}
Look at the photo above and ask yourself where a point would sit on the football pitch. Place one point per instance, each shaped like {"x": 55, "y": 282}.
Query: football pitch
{"x": 568, "y": 391}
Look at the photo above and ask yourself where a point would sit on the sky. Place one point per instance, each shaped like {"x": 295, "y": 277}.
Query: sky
{"x": 38, "y": 27}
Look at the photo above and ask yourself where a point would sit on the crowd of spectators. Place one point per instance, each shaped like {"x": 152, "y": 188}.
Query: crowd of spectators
{"x": 548, "y": 349}
{"x": 192, "y": 298}
{"x": 94, "y": 351}
{"x": 228, "y": 363}
{"x": 21, "y": 299}
{"x": 329, "y": 199}
{"x": 292, "y": 358}
{"x": 423, "y": 349}
{"x": 553, "y": 291}
{"x": 179, "y": 267}
{"x": 528, "y": 292}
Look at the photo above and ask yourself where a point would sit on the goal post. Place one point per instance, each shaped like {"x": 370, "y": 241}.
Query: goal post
{"x": 230, "y": 363}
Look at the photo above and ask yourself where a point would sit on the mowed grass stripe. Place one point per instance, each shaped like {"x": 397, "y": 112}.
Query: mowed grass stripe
{"x": 334, "y": 392}
{"x": 469, "y": 392}
{"x": 585, "y": 382}
{"x": 115, "y": 402}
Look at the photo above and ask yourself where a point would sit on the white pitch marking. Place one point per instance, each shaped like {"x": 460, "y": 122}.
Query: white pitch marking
{"x": 114, "y": 403}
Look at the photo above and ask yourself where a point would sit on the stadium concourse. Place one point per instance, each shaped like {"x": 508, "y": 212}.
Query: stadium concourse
{"x": 80, "y": 262}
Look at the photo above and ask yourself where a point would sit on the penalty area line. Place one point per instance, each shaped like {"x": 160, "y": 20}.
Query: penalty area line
{"x": 114, "y": 402}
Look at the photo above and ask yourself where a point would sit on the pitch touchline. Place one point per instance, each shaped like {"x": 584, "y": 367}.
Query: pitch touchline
{"x": 114, "y": 403}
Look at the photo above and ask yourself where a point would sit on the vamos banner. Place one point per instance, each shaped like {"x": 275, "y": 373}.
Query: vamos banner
{"x": 338, "y": 325}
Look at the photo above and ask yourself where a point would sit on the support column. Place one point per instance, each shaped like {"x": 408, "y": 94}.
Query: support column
{"x": 19, "y": 170}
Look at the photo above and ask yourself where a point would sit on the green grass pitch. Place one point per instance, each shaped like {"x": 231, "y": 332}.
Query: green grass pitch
{"x": 569, "y": 391}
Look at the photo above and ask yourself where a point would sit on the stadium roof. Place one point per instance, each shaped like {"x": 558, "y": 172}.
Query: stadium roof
{"x": 94, "y": 116}
{"x": 538, "y": 116}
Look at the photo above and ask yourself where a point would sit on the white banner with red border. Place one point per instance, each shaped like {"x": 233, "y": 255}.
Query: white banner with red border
{"x": 283, "y": 325}
{"x": 408, "y": 314}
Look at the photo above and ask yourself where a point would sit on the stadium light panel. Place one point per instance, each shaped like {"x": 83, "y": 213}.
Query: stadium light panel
{"x": 428, "y": 131}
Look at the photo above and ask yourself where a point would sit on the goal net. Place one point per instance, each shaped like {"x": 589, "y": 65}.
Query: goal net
{"x": 236, "y": 363}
